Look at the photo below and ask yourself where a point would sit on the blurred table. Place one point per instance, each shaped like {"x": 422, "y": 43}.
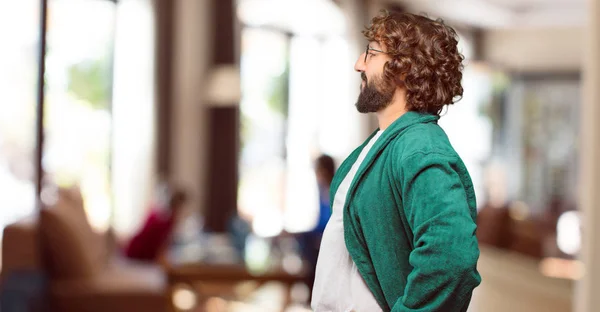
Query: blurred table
{"x": 215, "y": 280}
{"x": 217, "y": 276}
{"x": 190, "y": 273}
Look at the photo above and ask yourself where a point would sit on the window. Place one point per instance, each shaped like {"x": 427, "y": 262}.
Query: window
{"x": 77, "y": 120}
{"x": 19, "y": 30}
{"x": 296, "y": 71}
{"x": 263, "y": 127}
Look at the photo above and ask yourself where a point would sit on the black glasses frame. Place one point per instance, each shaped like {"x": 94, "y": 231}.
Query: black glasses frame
{"x": 371, "y": 49}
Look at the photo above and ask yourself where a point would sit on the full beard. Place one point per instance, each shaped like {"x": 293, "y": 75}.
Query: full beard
{"x": 371, "y": 99}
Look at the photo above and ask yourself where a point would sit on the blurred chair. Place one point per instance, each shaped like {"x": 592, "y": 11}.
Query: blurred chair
{"x": 77, "y": 264}
{"x": 494, "y": 226}
{"x": 22, "y": 283}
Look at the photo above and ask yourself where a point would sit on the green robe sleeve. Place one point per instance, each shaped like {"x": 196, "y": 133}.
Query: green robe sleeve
{"x": 439, "y": 205}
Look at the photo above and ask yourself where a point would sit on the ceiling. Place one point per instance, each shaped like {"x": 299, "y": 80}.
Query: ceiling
{"x": 505, "y": 13}
{"x": 300, "y": 17}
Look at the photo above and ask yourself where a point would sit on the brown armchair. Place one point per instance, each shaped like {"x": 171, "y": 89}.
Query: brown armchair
{"x": 82, "y": 273}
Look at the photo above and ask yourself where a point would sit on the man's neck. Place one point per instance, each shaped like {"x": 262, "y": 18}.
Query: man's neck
{"x": 393, "y": 111}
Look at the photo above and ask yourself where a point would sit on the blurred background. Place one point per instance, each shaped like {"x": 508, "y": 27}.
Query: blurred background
{"x": 110, "y": 107}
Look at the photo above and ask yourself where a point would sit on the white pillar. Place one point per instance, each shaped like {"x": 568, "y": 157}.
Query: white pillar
{"x": 587, "y": 298}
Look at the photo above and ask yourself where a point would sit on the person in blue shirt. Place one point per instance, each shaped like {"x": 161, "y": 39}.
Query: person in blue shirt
{"x": 311, "y": 241}
{"x": 324, "y": 171}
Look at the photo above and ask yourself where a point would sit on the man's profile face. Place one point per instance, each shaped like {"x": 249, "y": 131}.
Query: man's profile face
{"x": 374, "y": 94}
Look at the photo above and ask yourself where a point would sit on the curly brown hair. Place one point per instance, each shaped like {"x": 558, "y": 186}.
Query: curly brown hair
{"x": 425, "y": 59}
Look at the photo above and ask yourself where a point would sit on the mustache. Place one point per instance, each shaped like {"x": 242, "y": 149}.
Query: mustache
{"x": 363, "y": 76}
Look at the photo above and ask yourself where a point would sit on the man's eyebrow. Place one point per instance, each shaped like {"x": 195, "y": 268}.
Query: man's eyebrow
{"x": 372, "y": 45}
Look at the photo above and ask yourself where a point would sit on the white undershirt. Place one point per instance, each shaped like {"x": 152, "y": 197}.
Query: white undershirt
{"x": 338, "y": 286}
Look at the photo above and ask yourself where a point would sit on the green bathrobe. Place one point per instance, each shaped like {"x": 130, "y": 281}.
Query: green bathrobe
{"x": 409, "y": 219}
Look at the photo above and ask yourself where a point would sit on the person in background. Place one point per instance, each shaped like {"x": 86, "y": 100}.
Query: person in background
{"x": 150, "y": 242}
{"x": 310, "y": 241}
{"x": 324, "y": 170}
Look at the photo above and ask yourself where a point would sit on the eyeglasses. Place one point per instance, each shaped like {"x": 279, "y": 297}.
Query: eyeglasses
{"x": 371, "y": 49}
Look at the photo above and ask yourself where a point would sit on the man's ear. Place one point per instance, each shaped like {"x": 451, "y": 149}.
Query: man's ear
{"x": 400, "y": 80}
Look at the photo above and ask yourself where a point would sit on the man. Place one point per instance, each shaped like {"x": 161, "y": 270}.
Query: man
{"x": 402, "y": 234}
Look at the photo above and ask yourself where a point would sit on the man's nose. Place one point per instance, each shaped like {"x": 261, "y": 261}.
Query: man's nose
{"x": 359, "y": 66}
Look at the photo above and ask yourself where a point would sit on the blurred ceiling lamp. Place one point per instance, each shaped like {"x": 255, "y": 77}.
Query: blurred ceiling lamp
{"x": 306, "y": 17}
{"x": 224, "y": 86}
{"x": 568, "y": 233}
